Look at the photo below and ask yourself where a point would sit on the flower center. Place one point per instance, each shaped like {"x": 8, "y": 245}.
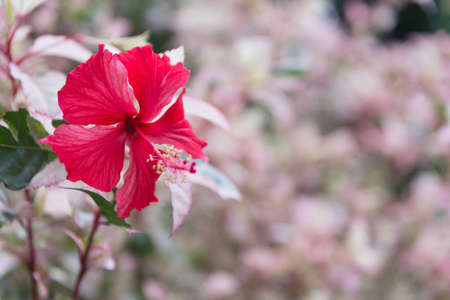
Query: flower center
{"x": 170, "y": 162}
{"x": 130, "y": 125}
{"x": 165, "y": 159}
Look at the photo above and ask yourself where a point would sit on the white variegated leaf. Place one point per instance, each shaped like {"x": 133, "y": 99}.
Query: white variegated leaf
{"x": 60, "y": 45}
{"x": 202, "y": 109}
{"x": 212, "y": 178}
{"x": 41, "y": 92}
{"x": 53, "y": 173}
{"x": 181, "y": 199}
{"x": 57, "y": 203}
{"x": 176, "y": 55}
{"x": 121, "y": 43}
{"x": 24, "y": 7}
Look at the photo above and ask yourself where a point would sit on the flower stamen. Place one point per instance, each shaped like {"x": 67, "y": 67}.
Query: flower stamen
{"x": 169, "y": 161}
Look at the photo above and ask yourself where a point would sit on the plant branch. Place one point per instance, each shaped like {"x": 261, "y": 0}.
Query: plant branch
{"x": 85, "y": 255}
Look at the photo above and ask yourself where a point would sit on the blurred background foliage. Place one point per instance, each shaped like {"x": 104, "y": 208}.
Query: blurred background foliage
{"x": 340, "y": 147}
{"x": 411, "y": 17}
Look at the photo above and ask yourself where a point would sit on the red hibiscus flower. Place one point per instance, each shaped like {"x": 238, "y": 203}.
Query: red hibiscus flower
{"x": 101, "y": 92}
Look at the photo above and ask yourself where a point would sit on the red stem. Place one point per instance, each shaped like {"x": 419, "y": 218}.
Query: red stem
{"x": 85, "y": 255}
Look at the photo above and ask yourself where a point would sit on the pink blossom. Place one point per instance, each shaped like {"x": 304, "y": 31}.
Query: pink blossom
{"x": 101, "y": 92}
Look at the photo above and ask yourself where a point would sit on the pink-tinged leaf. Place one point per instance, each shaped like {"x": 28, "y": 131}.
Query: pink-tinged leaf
{"x": 132, "y": 231}
{"x": 59, "y": 45}
{"x": 78, "y": 241}
{"x": 139, "y": 180}
{"x": 42, "y": 288}
{"x": 173, "y": 129}
{"x": 176, "y": 55}
{"x": 52, "y": 174}
{"x": 97, "y": 92}
{"x": 24, "y": 7}
{"x": 153, "y": 79}
{"x": 212, "y": 178}
{"x": 100, "y": 256}
{"x": 41, "y": 91}
{"x": 199, "y": 108}
{"x": 181, "y": 199}
{"x": 93, "y": 155}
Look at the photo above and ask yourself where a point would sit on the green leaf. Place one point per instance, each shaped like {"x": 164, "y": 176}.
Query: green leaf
{"x": 141, "y": 245}
{"x": 37, "y": 132}
{"x": 56, "y": 123}
{"x": 4, "y": 197}
{"x": 106, "y": 208}
{"x": 21, "y": 156}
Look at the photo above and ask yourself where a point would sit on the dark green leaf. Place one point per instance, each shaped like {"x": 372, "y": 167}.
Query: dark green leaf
{"x": 140, "y": 245}
{"x": 21, "y": 156}
{"x": 17, "y": 122}
{"x": 56, "y": 123}
{"x": 106, "y": 208}
{"x": 37, "y": 132}
{"x": 4, "y": 195}
{"x": 290, "y": 72}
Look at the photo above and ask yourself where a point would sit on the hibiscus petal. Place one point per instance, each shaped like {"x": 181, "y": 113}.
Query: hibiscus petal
{"x": 153, "y": 78}
{"x": 173, "y": 129}
{"x": 97, "y": 92}
{"x": 139, "y": 180}
{"x": 94, "y": 156}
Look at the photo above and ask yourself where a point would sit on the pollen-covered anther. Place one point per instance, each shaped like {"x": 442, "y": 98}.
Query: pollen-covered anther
{"x": 184, "y": 178}
{"x": 168, "y": 161}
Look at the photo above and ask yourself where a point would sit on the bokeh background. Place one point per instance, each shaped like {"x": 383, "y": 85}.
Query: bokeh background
{"x": 340, "y": 147}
